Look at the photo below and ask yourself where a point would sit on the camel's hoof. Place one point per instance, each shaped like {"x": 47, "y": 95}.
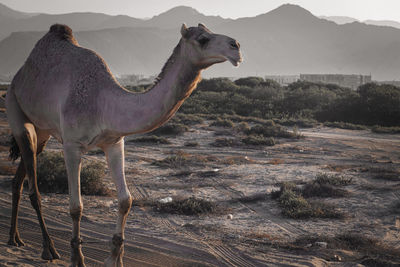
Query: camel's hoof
{"x": 50, "y": 253}
{"x": 77, "y": 258}
{"x": 16, "y": 242}
{"x": 19, "y": 241}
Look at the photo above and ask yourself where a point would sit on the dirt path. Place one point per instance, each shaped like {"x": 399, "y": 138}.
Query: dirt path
{"x": 334, "y": 133}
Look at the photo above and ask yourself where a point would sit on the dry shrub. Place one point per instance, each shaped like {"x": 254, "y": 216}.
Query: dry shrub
{"x": 187, "y": 119}
{"x": 258, "y": 140}
{"x": 325, "y": 185}
{"x": 271, "y": 130}
{"x": 385, "y": 130}
{"x": 324, "y": 178}
{"x": 225, "y": 142}
{"x": 186, "y": 206}
{"x": 295, "y": 206}
{"x": 191, "y": 144}
{"x": 345, "y": 125}
{"x": 96, "y": 152}
{"x": 242, "y": 127}
{"x": 52, "y": 175}
{"x": 152, "y": 139}
{"x": 171, "y": 129}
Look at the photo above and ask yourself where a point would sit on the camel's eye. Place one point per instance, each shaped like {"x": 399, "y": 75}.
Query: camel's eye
{"x": 203, "y": 41}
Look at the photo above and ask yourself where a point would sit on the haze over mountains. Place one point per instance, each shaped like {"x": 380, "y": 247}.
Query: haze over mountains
{"x": 287, "y": 40}
{"x": 343, "y": 20}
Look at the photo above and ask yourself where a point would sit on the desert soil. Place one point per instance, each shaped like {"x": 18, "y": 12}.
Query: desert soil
{"x": 227, "y": 173}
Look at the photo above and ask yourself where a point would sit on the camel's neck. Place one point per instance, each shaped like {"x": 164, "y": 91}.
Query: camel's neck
{"x": 137, "y": 113}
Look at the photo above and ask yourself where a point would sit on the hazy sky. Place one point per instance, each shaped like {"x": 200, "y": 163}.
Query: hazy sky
{"x": 359, "y": 9}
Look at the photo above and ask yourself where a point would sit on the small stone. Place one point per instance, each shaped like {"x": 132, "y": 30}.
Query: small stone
{"x": 321, "y": 244}
{"x": 336, "y": 258}
{"x": 165, "y": 200}
{"x": 230, "y": 216}
{"x": 308, "y": 245}
{"x": 397, "y": 222}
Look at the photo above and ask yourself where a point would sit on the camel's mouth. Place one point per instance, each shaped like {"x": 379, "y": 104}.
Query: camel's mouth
{"x": 235, "y": 61}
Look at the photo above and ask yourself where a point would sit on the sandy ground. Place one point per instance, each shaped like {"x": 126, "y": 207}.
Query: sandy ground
{"x": 154, "y": 239}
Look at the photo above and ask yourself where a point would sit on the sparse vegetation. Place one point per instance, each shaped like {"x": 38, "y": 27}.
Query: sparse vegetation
{"x": 255, "y": 139}
{"x": 372, "y": 252}
{"x": 271, "y": 130}
{"x": 171, "y": 129}
{"x": 385, "y": 130}
{"x": 191, "y": 144}
{"x": 324, "y": 178}
{"x": 52, "y": 175}
{"x": 187, "y": 119}
{"x": 96, "y": 152}
{"x": 223, "y": 123}
{"x": 186, "y": 206}
{"x": 152, "y": 139}
{"x": 317, "y": 189}
{"x": 345, "y": 125}
{"x": 222, "y": 142}
{"x": 242, "y": 126}
{"x": 295, "y": 206}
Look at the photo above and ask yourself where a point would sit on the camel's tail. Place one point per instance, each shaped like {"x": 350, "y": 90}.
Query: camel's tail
{"x": 14, "y": 150}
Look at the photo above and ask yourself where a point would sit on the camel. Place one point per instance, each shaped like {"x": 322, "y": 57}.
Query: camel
{"x": 68, "y": 92}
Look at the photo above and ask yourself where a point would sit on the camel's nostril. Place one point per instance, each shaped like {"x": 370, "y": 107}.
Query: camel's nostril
{"x": 234, "y": 44}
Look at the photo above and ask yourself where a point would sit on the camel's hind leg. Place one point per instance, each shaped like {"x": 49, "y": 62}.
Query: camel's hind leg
{"x": 27, "y": 142}
{"x": 27, "y": 139}
{"x": 17, "y": 185}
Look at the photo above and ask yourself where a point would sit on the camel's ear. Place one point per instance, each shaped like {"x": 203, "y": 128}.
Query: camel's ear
{"x": 184, "y": 30}
{"x": 201, "y": 25}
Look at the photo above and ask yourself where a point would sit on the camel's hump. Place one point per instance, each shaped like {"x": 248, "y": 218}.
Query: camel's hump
{"x": 62, "y": 31}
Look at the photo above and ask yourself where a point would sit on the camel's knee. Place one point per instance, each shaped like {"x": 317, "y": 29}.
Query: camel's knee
{"x": 35, "y": 200}
{"x": 117, "y": 240}
{"x": 76, "y": 212}
{"x": 125, "y": 204}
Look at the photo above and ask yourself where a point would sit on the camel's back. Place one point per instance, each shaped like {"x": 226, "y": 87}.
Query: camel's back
{"x": 59, "y": 72}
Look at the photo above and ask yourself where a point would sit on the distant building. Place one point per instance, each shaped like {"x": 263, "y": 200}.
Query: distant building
{"x": 283, "y": 79}
{"x": 345, "y": 80}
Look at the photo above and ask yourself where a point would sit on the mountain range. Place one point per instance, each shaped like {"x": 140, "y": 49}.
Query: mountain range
{"x": 286, "y": 40}
{"x": 344, "y": 20}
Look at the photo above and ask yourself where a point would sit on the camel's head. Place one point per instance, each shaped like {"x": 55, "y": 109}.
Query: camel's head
{"x": 206, "y": 48}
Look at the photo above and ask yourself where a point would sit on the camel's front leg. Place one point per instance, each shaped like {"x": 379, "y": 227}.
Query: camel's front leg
{"x": 72, "y": 155}
{"x": 115, "y": 159}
